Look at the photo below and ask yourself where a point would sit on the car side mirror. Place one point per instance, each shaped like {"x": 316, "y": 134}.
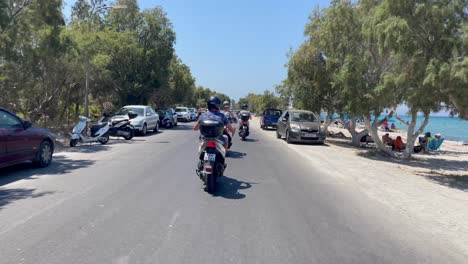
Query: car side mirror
{"x": 284, "y": 119}
{"x": 27, "y": 124}
{"x": 148, "y": 114}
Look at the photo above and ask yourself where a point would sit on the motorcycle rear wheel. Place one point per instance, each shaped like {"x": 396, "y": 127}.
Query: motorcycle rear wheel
{"x": 210, "y": 183}
{"x": 131, "y": 134}
{"x": 103, "y": 140}
{"x": 73, "y": 142}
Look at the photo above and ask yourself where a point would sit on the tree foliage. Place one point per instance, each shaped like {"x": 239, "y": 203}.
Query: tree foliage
{"x": 257, "y": 103}
{"x": 362, "y": 57}
{"x": 129, "y": 55}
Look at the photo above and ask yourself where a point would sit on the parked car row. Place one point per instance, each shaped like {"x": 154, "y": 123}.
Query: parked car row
{"x": 294, "y": 125}
{"x": 20, "y": 142}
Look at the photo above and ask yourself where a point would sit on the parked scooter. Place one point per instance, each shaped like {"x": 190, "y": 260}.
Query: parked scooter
{"x": 244, "y": 125}
{"x": 99, "y": 133}
{"x": 211, "y": 154}
{"x": 122, "y": 127}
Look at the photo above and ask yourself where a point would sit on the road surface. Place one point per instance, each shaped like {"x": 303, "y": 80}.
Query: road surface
{"x": 141, "y": 202}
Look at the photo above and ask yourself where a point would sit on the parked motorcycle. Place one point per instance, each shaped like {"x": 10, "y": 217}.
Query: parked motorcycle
{"x": 122, "y": 127}
{"x": 99, "y": 133}
{"x": 211, "y": 154}
{"x": 244, "y": 125}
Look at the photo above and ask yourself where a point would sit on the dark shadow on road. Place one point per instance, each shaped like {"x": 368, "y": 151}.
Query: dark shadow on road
{"x": 235, "y": 154}
{"x": 452, "y": 181}
{"x": 88, "y": 148}
{"x": 184, "y": 126}
{"x": 229, "y": 188}
{"x": 345, "y": 143}
{"x": 8, "y": 196}
{"x": 251, "y": 140}
{"x": 60, "y": 165}
{"x": 418, "y": 161}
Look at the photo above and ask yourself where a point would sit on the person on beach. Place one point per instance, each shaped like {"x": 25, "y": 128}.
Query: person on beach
{"x": 387, "y": 140}
{"x": 435, "y": 143}
{"x": 385, "y": 126}
{"x": 398, "y": 144}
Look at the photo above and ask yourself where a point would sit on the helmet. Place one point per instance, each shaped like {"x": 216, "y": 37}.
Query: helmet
{"x": 226, "y": 103}
{"x": 214, "y": 102}
{"x": 245, "y": 106}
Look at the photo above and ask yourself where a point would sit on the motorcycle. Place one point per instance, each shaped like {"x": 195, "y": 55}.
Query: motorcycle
{"x": 211, "y": 154}
{"x": 233, "y": 121}
{"x": 244, "y": 126}
{"x": 122, "y": 127}
{"x": 99, "y": 133}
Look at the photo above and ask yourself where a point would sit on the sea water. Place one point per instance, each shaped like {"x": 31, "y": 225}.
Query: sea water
{"x": 451, "y": 128}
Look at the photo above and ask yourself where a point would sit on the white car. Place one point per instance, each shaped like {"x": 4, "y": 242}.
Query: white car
{"x": 183, "y": 114}
{"x": 147, "y": 118}
{"x": 193, "y": 114}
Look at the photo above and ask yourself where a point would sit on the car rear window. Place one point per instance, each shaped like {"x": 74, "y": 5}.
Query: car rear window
{"x": 303, "y": 117}
{"x": 272, "y": 113}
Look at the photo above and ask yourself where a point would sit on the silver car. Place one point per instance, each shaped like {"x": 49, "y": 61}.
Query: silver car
{"x": 193, "y": 114}
{"x": 147, "y": 118}
{"x": 300, "y": 126}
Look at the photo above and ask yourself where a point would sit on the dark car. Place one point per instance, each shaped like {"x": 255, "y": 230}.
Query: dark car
{"x": 20, "y": 142}
{"x": 300, "y": 126}
{"x": 270, "y": 118}
{"x": 171, "y": 111}
{"x": 165, "y": 118}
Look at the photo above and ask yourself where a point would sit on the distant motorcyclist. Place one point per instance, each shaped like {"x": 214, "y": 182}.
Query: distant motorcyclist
{"x": 213, "y": 113}
{"x": 245, "y": 111}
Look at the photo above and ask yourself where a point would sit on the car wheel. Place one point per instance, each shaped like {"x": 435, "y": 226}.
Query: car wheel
{"x": 104, "y": 139}
{"x": 73, "y": 142}
{"x": 278, "y": 134}
{"x": 44, "y": 155}
{"x": 144, "y": 131}
{"x": 156, "y": 128}
{"x": 288, "y": 138}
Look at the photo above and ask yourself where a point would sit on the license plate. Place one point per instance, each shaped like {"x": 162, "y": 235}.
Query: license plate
{"x": 273, "y": 124}
{"x": 310, "y": 135}
{"x": 210, "y": 157}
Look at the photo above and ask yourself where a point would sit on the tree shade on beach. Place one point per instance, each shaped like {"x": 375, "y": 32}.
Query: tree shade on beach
{"x": 363, "y": 57}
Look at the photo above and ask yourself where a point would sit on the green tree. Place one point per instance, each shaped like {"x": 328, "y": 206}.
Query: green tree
{"x": 427, "y": 40}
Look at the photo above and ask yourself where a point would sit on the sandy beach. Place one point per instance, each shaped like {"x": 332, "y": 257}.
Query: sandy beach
{"x": 450, "y": 160}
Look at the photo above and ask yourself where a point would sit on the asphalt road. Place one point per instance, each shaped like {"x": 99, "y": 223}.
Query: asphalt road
{"x": 141, "y": 202}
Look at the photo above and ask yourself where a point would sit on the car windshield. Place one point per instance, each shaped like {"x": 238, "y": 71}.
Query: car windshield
{"x": 303, "y": 117}
{"x": 179, "y": 110}
{"x": 125, "y": 110}
{"x": 273, "y": 113}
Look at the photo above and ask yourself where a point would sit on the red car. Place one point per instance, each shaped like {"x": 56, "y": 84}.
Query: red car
{"x": 20, "y": 142}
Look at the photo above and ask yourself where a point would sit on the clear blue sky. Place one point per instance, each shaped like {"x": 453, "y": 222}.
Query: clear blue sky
{"x": 235, "y": 47}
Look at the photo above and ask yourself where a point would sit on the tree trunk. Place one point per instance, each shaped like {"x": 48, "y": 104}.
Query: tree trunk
{"x": 372, "y": 128}
{"x": 411, "y": 136}
{"x": 355, "y": 135}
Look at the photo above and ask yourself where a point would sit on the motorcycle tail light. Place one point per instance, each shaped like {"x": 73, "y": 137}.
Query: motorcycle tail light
{"x": 245, "y": 123}
{"x": 211, "y": 144}
{"x": 208, "y": 169}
